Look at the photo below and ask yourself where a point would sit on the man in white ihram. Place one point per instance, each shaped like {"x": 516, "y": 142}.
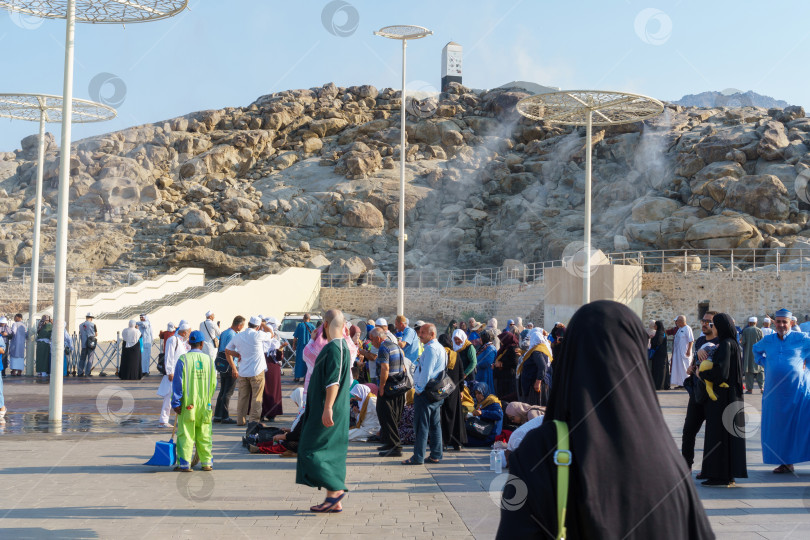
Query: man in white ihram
{"x": 176, "y": 346}
{"x": 210, "y": 332}
{"x": 681, "y": 351}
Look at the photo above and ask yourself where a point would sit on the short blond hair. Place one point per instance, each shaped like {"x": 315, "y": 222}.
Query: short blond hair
{"x": 401, "y": 319}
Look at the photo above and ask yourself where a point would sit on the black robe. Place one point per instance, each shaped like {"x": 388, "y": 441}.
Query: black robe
{"x": 130, "y": 367}
{"x": 505, "y": 381}
{"x": 723, "y": 451}
{"x": 658, "y": 363}
{"x": 627, "y": 478}
{"x": 453, "y": 415}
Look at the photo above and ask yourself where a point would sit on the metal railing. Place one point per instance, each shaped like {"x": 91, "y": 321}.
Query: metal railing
{"x": 672, "y": 260}
{"x": 172, "y": 299}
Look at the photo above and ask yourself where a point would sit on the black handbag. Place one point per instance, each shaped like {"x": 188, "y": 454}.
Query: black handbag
{"x": 439, "y": 388}
{"x": 479, "y": 428}
{"x": 221, "y": 363}
{"x": 397, "y": 384}
{"x": 161, "y": 364}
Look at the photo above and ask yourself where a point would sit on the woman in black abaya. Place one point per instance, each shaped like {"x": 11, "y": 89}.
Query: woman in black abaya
{"x": 724, "y": 451}
{"x": 627, "y": 478}
{"x": 658, "y": 362}
{"x": 453, "y": 415}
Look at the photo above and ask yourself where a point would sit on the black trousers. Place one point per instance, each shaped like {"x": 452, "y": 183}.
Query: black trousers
{"x": 695, "y": 416}
{"x": 227, "y": 384}
{"x": 389, "y": 412}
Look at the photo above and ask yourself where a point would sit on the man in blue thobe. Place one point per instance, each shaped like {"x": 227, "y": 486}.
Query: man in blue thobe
{"x": 301, "y": 337}
{"x": 786, "y": 398}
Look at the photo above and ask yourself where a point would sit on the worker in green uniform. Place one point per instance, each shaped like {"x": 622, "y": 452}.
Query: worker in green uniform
{"x": 193, "y": 387}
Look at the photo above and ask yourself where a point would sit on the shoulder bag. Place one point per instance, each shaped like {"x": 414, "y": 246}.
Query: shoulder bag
{"x": 438, "y": 388}
{"x": 479, "y": 428}
{"x": 562, "y": 459}
{"x": 399, "y": 383}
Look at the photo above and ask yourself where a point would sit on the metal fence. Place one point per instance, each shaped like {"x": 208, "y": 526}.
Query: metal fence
{"x": 674, "y": 260}
{"x": 106, "y": 357}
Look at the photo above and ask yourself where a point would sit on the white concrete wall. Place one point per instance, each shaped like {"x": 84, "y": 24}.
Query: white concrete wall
{"x": 293, "y": 289}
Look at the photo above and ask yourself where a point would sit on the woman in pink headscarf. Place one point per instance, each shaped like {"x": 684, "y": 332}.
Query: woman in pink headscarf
{"x": 318, "y": 342}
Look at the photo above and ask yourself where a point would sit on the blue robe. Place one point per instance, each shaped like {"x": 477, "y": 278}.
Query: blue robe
{"x": 486, "y": 359}
{"x": 303, "y": 333}
{"x": 786, "y": 398}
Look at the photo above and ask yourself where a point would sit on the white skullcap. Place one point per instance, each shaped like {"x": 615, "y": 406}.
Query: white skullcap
{"x": 170, "y": 327}
{"x": 255, "y": 321}
{"x": 766, "y": 319}
{"x": 3, "y": 320}
{"x": 183, "y": 326}
{"x": 752, "y": 319}
{"x": 208, "y": 313}
{"x": 271, "y": 320}
{"x": 380, "y": 322}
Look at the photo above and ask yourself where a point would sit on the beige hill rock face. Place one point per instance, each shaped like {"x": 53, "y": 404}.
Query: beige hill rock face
{"x": 310, "y": 177}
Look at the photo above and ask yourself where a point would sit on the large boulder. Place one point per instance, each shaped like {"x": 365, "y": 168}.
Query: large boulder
{"x": 362, "y": 215}
{"x": 653, "y": 209}
{"x": 773, "y": 142}
{"x": 715, "y": 147}
{"x": 763, "y": 196}
{"x": 196, "y": 219}
{"x": 723, "y": 232}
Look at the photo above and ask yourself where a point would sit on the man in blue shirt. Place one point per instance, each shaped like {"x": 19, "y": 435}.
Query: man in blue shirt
{"x": 302, "y": 335}
{"x": 409, "y": 342}
{"x": 426, "y": 413}
{"x": 227, "y": 381}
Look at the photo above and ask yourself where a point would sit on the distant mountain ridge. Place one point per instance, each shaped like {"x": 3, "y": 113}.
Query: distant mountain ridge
{"x": 731, "y": 99}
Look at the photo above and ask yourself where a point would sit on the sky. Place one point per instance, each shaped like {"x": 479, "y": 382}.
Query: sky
{"x": 227, "y": 53}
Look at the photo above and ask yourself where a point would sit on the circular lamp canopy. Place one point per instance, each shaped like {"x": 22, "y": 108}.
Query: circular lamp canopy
{"x": 99, "y": 11}
{"x": 571, "y": 107}
{"x": 30, "y": 106}
{"x": 403, "y": 31}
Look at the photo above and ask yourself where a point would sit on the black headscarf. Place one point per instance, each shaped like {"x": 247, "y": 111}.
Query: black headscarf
{"x": 727, "y": 336}
{"x": 450, "y": 327}
{"x": 660, "y": 336}
{"x": 627, "y": 479}
{"x": 444, "y": 341}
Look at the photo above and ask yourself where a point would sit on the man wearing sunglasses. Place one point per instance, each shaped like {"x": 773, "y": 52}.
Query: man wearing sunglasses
{"x": 695, "y": 415}
{"x": 786, "y": 398}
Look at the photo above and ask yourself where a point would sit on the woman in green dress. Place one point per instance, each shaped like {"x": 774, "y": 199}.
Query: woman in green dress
{"x": 324, "y": 442}
{"x": 44, "y": 346}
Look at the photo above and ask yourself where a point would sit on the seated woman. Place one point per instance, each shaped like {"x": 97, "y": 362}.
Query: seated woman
{"x": 488, "y": 408}
{"x": 285, "y": 444}
{"x": 367, "y": 423}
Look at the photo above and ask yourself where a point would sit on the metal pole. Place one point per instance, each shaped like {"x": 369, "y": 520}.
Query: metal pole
{"x": 32, "y": 307}
{"x": 60, "y": 277}
{"x": 401, "y": 262}
{"x": 586, "y": 282}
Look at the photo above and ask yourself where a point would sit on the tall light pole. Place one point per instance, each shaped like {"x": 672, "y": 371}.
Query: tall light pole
{"x": 577, "y": 108}
{"x": 44, "y": 108}
{"x": 90, "y": 11}
{"x": 403, "y": 33}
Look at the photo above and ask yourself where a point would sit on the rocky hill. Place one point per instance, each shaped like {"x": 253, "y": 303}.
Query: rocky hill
{"x": 310, "y": 177}
{"x": 730, "y": 99}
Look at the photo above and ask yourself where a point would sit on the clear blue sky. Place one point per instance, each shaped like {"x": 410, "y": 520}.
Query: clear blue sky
{"x": 227, "y": 53}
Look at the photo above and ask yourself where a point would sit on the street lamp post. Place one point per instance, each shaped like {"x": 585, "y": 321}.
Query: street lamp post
{"x": 403, "y": 33}
{"x": 44, "y": 108}
{"x": 577, "y": 108}
{"x": 90, "y": 11}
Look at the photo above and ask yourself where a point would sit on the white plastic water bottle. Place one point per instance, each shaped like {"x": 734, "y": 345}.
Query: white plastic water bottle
{"x": 495, "y": 461}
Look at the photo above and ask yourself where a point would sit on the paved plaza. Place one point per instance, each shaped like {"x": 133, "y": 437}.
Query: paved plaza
{"x": 89, "y": 481}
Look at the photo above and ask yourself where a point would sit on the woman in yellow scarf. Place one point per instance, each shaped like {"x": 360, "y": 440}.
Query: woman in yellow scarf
{"x": 534, "y": 371}
{"x": 488, "y": 410}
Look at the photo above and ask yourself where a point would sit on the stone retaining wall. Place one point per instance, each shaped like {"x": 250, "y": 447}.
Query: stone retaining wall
{"x": 665, "y": 295}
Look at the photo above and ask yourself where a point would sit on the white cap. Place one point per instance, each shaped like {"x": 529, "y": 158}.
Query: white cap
{"x": 752, "y": 319}
{"x": 380, "y": 322}
{"x": 255, "y": 321}
{"x": 183, "y": 326}
{"x": 793, "y": 318}
{"x": 3, "y": 320}
{"x": 182, "y": 322}
{"x": 89, "y": 314}
{"x": 208, "y": 313}
{"x": 420, "y": 323}
{"x": 766, "y": 319}
{"x": 170, "y": 327}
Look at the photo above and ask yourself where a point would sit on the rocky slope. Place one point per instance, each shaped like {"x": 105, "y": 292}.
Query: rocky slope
{"x": 310, "y": 177}
{"x": 730, "y": 98}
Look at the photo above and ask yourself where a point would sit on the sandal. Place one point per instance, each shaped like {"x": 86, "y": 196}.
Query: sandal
{"x": 783, "y": 469}
{"x": 328, "y": 505}
{"x": 411, "y": 461}
{"x": 433, "y": 460}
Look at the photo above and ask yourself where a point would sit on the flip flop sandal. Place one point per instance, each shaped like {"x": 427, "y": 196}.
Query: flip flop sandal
{"x": 330, "y": 503}
{"x": 433, "y": 460}
{"x": 410, "y": 461}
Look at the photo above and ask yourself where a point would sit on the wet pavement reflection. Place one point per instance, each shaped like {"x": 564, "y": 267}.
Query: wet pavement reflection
{"x": 37, "y": 422}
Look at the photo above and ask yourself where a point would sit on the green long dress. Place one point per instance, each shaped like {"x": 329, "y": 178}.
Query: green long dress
{"x": 44, "y": 349}
{"x": 322, "y": 451}
{"x": 468, "y": 359}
